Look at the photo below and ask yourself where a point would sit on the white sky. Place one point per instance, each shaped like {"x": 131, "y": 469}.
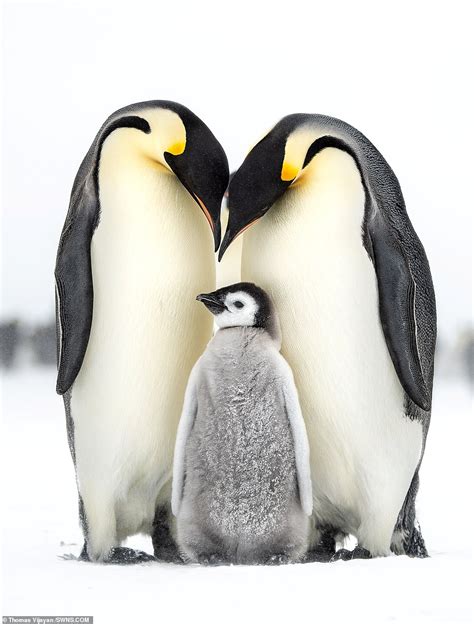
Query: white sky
{"x": 400, "y": 75}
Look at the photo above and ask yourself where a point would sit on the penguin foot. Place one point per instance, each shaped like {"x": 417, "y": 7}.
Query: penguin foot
{"x": 318, "y": 555}
{"x": 120, "y": 555}
{"x": 212, "y": 560}
{"x": 347, "y": 555}
{"x": 278, "y": 559}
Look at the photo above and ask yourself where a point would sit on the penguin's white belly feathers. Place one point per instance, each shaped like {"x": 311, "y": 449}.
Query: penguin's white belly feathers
{"x": 307, "y": 251}
{"x": 152, "y": 253}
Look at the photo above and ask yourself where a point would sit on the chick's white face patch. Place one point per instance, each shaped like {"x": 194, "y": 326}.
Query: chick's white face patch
{"x": 241, "y": 310}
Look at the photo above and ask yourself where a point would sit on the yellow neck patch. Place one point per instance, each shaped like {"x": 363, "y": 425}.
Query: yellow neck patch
{"x": 289, "y": 171}
{"x": 177, "y": 148}
{"x": 297, "y": 144}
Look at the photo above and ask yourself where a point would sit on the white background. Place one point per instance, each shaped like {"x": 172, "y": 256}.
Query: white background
{"x": 400, "y": 72}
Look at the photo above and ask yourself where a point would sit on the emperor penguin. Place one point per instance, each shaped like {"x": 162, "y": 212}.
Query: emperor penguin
{"x": 139, "y": 237}
{"x": 241, "y": 477}
{"x": 328, "y": 236}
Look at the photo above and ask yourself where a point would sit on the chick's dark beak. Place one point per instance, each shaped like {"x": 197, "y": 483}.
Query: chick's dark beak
{"x": 212, "y": 302}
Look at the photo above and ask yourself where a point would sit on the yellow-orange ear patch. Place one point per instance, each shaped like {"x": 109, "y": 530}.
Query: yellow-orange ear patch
{"x": 289, "y": 172}
{"x": 177, "y": 148}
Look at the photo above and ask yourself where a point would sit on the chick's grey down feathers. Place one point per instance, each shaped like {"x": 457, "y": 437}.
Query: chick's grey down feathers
{"x": 239, "y": 495}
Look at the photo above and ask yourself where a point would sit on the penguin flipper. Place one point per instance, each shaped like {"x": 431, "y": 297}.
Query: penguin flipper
{"x": 73, "y": 273}
{"x": 397, "y": 308}
{"x": 74, "y": 291}
{"x": 300, "y": 439}
{"x": 185, "y": 426}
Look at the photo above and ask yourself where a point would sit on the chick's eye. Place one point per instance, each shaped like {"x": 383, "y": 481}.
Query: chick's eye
{"x": 238, "y": 304}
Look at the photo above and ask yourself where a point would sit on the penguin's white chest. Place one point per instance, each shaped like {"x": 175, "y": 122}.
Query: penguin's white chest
{"x": 151, "y": 254}
{"x": 308, "y": 253}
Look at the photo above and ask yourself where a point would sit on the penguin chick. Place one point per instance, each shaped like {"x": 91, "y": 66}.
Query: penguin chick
{"x": 241, "y": 475}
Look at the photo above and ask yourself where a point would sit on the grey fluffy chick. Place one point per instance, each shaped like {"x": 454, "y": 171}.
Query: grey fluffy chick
{"x": 241, "y": 476}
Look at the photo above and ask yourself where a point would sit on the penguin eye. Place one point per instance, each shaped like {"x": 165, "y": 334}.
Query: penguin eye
{"x": 238, "y": 304}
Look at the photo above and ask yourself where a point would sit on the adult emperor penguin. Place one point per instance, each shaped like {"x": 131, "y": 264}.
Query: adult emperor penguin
{"x": 135, "y": 247}
{"x": 330, "y": 240}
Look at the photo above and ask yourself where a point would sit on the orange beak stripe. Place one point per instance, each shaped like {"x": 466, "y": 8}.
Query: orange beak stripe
{"x": 205, "y": 211}
{"x": 246, "y": 227}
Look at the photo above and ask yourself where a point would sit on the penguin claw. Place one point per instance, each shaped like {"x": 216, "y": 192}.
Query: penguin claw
{"x": 121, "y": 555}
{"x": 341, "y": 555}
{"x": 348, "y": 555}
{"x": 68, "y": 557}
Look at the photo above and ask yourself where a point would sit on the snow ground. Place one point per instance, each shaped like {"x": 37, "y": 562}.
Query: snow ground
{"x": 40, "y": 524}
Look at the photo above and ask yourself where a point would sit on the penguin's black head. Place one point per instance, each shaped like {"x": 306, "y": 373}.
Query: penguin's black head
{"x": 241, "y": 305}
{"x": 255, "y": 186}
{"x": 175, "y": 138}
{"x": 271, "y": 167}
{"x": 201, "y": 167}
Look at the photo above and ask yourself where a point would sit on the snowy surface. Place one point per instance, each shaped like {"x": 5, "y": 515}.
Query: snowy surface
{"x": 40, "y": 524}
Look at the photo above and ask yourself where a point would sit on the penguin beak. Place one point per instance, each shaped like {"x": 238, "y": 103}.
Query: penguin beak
{"x": 254, "y": 188}
{"x": 228, "y": 238}
{"x": 212, "y": 215}
{"x": 203, "y": 170}
{"x": 232, "y": 233}
{"x": 209, "y": 199}
{"x": 211, "y": 302}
